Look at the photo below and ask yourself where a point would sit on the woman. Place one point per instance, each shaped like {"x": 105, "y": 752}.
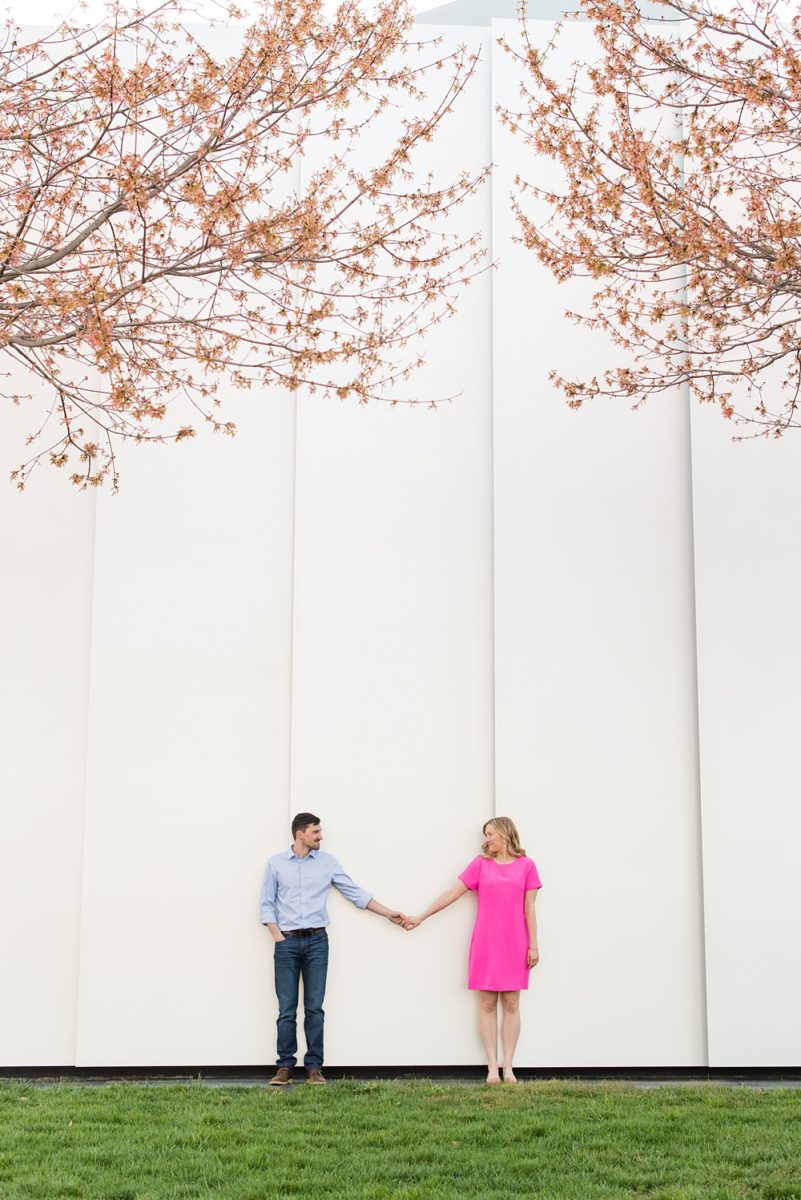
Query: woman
{"x": 503, "y": 948}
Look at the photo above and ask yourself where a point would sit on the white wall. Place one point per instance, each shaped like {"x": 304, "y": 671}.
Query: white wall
{"x": 407, "y": 621}
{"x": 47, "y": 556}
{"x": 188, "y": 746}
{"x": 392, "y": 666}
{"x": 747, "y": 497}
{"x": 596, "y": 732}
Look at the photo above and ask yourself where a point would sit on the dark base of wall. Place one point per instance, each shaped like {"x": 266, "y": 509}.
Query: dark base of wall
{"x": 236, "y": 1074}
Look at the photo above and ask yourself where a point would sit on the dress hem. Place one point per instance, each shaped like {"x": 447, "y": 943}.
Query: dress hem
{"x": 516, "y": 987}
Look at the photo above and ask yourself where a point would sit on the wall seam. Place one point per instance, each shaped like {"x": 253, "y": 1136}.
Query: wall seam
{"x": 87, "y": 746}
{"x": 292, "y": 576}
{"x": 493, "y": 574}
{"x": 697, "y": 689}
{"x": 292, "y": 610}
{"x": 688, "y": 411}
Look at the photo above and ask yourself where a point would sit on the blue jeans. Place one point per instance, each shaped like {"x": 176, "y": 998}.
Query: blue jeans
{"x": 296, "y": 957}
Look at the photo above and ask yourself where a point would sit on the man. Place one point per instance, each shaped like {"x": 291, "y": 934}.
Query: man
{"x": 293, "y": 907}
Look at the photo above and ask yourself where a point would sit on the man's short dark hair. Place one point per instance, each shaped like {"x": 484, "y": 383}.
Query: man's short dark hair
{"x": 302, "y": 821}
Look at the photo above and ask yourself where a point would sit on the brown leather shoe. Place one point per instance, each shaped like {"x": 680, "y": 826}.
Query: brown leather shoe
{"x": 281, "y": 1077}
{"x": 315, "y": 1075}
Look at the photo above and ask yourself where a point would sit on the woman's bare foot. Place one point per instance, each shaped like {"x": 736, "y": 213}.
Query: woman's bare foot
{"x": 493, "y": 1076}
{"x": 509, "y": 1075}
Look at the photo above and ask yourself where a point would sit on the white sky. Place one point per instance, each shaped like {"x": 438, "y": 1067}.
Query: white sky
{"x": 45, "y": 12}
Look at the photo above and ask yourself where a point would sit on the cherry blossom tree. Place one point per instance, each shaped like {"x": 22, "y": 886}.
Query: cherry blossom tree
{"x": 172, "y": 217}
{"x": 679, "y": 157}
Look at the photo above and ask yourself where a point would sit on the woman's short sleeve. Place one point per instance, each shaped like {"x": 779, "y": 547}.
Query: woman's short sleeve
{"x": 471, "y": 873}
{"x": 532, "y": 876}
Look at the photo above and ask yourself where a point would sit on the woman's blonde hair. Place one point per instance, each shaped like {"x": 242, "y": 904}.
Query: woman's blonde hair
{"x": 506, "y": 827}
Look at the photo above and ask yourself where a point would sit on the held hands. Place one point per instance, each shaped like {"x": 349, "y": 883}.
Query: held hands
{"x": 399, "y": 918}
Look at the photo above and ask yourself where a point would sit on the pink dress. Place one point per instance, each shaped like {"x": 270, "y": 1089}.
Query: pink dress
{"x": 499, "y": 946}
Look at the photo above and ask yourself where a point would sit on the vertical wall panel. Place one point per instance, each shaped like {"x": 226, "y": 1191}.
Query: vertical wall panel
{"x": 747, "y": 499}
{"x": 189, "y": 746}
{"x": 595, "y": 670}
{"x": 392, "y": 713}
{"x": 47, "y": 538}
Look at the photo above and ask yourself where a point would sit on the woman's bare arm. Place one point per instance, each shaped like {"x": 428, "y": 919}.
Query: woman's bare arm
{"x": 441, "y": 902}
{"x": 529, "y": 905}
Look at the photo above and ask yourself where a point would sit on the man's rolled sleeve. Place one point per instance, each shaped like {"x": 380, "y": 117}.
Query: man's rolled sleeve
{"x": 269, "y": 890}
{"x": 350, "y": 890}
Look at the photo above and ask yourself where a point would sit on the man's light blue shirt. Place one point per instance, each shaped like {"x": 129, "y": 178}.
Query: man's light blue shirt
{"x": 295, "y": 890}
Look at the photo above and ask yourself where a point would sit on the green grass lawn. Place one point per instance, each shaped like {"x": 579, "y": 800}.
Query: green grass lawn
{"x": 407, "y": 1140}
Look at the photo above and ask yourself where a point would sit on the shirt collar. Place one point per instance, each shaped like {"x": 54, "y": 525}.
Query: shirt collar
{"x": 291, "y": 854}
